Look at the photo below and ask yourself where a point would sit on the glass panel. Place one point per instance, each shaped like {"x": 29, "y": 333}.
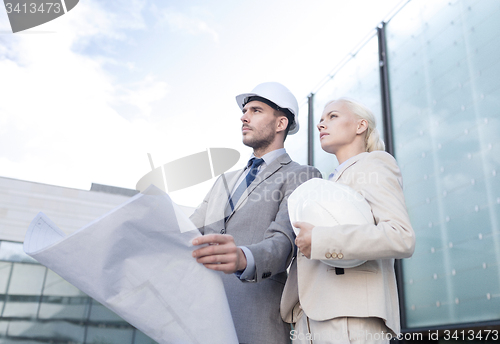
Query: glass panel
{"x": 61, "y": 300}
{"x": 100, "y": 313}
{"x": 109, "y": 335}
{"x": 57, "y": 331}
{"x": 296, "y": 145}
{"x": 445, "y": 92}
{"x": 358, "y": 79}
{"x": 24, "y": 290}
{"x": 13, "y": 252}
{"x": 4, "y": 276}
{"x": 58, "y": 307}
{"x": 21, "y": 307}
{"x": 55, "y": 285}
{"x": 11, "y": 341}
{"x": 141, "y": 338}
{"x": 4, "y": 326}
{"x": 27, "y": 279}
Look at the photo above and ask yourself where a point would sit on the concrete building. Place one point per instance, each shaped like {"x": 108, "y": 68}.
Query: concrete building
{"x": 36, "y": 305}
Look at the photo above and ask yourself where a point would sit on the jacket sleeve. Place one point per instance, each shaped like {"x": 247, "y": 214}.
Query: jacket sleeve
{"x": 274, "y": 254}
{"x": 378, "y": 179}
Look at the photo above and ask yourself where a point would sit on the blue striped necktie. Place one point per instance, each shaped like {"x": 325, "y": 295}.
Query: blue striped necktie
{"x": 254, "y": 164}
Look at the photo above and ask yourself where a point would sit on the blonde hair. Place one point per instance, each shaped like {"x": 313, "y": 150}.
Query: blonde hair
{"x": 373, "y": 142}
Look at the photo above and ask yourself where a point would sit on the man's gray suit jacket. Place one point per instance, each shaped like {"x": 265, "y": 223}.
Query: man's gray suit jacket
{"x": 260, "y": 222}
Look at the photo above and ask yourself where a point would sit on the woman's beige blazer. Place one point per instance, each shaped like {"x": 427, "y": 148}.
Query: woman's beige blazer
{"x": 368, "y": 290}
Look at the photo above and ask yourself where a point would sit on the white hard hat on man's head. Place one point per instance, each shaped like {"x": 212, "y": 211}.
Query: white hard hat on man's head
{"x": 277, "y": 94}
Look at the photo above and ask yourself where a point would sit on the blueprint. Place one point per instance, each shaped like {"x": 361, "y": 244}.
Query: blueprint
{"x": 136, "y": 260}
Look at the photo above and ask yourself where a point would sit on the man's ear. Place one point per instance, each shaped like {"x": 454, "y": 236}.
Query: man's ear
{"x": 282, "y": 124}
{"x": 362, "y": 126}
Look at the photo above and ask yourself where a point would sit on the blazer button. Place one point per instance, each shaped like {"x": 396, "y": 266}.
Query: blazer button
{"x": 223, "y": 231}
{"x": 334, "y": 255}
{"x": 328, "y": 255}
{"x": 340, "y": 256}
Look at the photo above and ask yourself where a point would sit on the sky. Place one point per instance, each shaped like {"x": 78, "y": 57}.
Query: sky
{"x": 84, "y": 98}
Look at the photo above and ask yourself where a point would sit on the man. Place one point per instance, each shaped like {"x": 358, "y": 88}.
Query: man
{"x": 244, "y": 217}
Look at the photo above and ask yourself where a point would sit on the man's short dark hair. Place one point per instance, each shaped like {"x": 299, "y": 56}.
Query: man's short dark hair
{"x": 278, "y": 111}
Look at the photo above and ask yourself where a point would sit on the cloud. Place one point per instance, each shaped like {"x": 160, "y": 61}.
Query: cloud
{"x": 180, "y": 22}
{"x": 58, "y": 122}
{"x": 108, "y": 19}
{"x": 140, "y": 95}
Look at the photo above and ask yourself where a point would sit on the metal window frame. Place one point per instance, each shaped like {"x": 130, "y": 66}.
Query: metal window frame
{"x": 385, "y": 96}
{"x": 310, "y": 129}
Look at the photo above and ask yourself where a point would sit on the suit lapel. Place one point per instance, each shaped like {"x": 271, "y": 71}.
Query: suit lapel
{"x": 261, "y": 177}
{"x": 230, "y": 182}
{"x": 225, "y": 185}
{"x": 352, "y": 162}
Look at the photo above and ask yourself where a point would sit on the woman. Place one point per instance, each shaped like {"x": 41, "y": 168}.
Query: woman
{"x": 360, "y": 304}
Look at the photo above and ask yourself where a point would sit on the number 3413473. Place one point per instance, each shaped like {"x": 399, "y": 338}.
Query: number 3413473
{"x": 44, "y": 7}
{"x": 470, "y": 335}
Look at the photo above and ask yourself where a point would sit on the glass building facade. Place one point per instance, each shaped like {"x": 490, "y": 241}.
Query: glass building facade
{"x": 445, "y": 92}
{"x": 38, "y": 306}
{"x": 431, "y": 75}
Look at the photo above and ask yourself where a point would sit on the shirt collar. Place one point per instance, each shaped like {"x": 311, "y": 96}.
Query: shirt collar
{"x": 339, "y": 167}
{"x": 271, "y": 156}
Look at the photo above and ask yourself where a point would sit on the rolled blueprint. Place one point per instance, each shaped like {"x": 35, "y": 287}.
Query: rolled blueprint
{"x": 136, "y": 260}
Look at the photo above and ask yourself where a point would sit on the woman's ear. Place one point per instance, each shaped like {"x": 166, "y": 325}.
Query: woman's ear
{"x": 362, "y": 126}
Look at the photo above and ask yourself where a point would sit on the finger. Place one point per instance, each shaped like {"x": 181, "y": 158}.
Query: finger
{"x": 226, "y": 268}
{"x": 300, "y": 236}
{"x": 211, "y": 250}
{"x": 217, "y": 259}
{"x": 212, "y": 239}
{"x": 300, "y": 224}
{"x": 298, "y": 243}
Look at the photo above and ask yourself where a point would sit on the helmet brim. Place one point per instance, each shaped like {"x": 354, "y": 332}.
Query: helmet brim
{"x": 241, "y": 99}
